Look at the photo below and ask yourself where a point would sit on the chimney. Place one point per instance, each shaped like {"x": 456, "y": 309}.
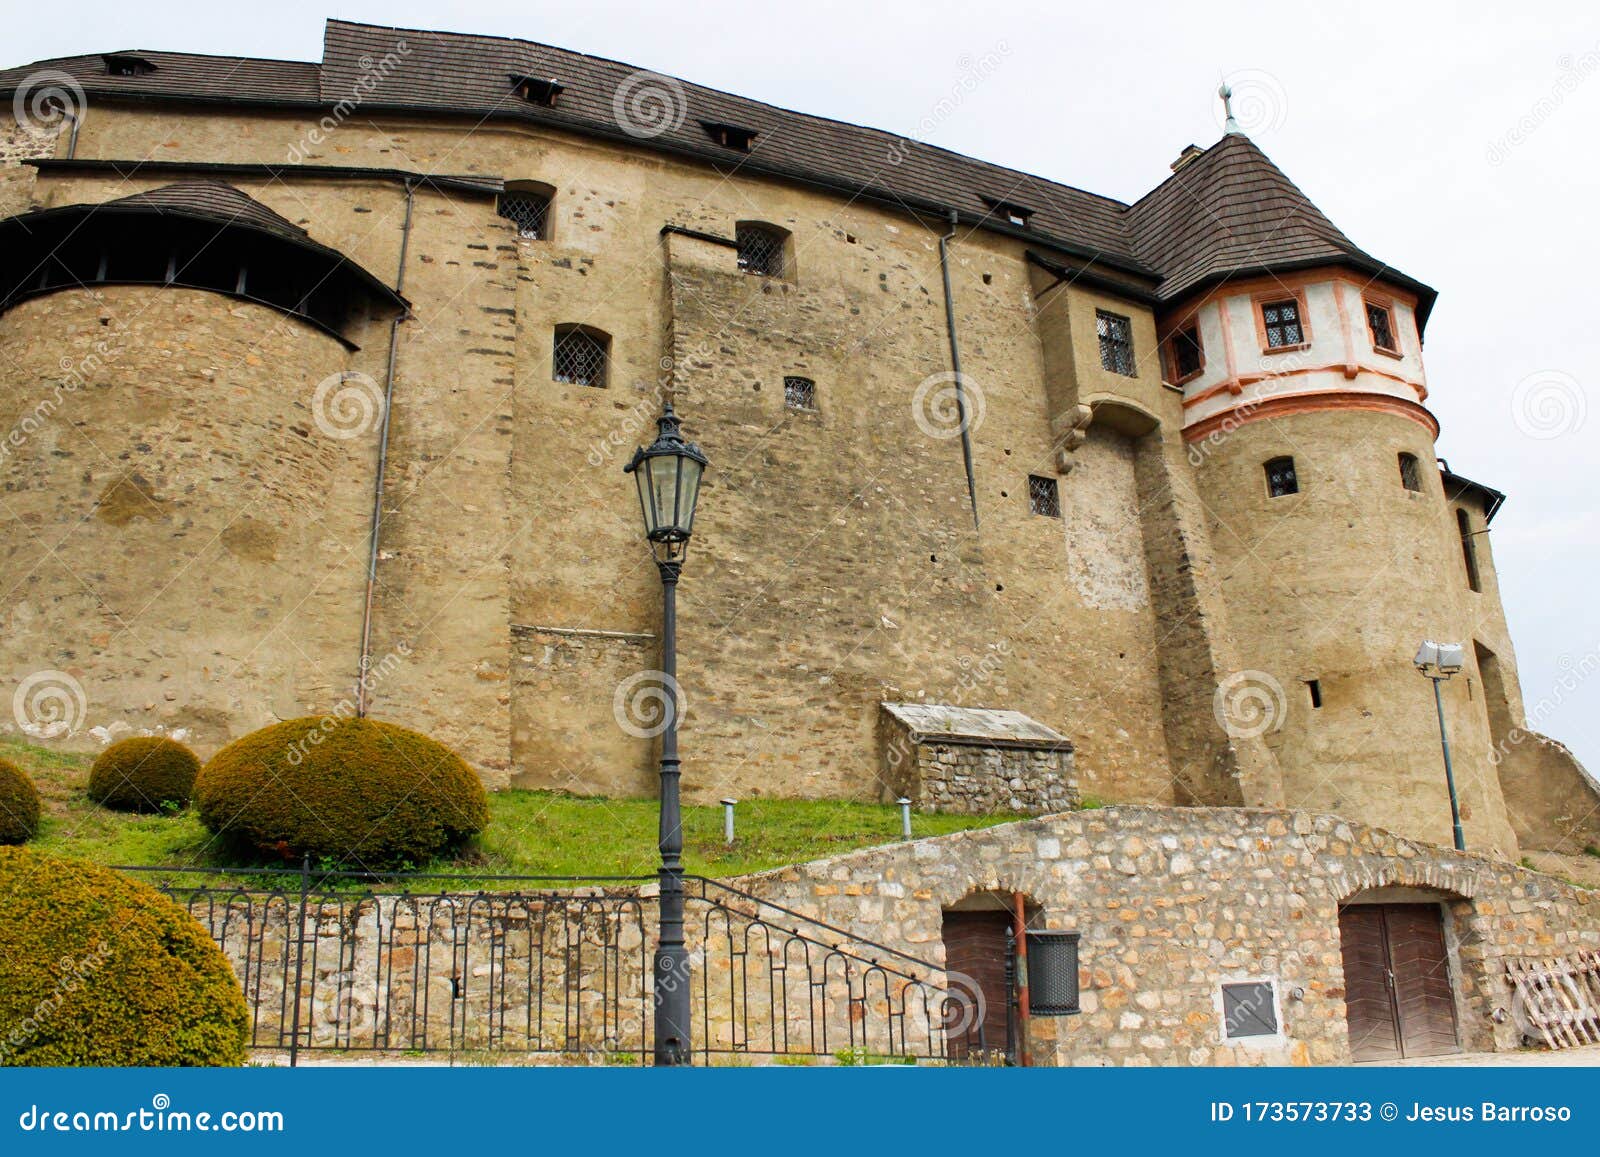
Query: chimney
{"x": 1190, "y": 152}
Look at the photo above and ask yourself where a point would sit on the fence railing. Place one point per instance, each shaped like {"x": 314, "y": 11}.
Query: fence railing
{"x": 560, "y": 967}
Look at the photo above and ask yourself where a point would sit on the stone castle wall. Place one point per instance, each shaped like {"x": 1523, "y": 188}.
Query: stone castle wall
{"x": 838, "y": 562}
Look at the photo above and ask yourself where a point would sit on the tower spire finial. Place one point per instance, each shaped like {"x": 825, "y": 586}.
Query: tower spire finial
{"x": 1230, "y": 127}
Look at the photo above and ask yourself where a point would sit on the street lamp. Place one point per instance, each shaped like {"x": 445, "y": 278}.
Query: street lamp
{"x": 1439, "y": 661}
{"x": 668, "y": 475}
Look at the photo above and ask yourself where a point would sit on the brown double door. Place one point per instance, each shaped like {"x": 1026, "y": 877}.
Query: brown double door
{"x": 1398, "y": 996}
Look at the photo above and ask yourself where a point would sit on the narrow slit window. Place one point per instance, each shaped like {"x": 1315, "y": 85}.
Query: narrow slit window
{"x": 1469, "y": 551}
{"x": 1381, "y": 322}
{"x": 760, "y": 248}
{"x": 1410, "y": 473}
{"x": 1281, "y": 478}
{"x": 1044, "y": 496}
{"x": 800, "y": 393}
{"x": 580, "y": 356}
{"x": 1116, "y": 342}
{"x": 1314, "y": 689}
{"x": 529, "y": 212}
{"x": 1283, "y": 324}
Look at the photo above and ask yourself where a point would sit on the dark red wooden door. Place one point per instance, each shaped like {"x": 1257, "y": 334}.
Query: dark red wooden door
{"x": 1398, "y": 998}
{"x": 975, "y": 945}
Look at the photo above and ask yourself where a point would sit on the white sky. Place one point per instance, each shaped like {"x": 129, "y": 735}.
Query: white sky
{"x": 1386, "y": 114}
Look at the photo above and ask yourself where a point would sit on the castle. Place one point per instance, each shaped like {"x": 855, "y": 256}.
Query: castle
{"x": 318, "y": 380}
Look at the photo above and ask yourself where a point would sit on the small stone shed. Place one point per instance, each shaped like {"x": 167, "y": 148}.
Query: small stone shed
{"x": 975, "y": 760}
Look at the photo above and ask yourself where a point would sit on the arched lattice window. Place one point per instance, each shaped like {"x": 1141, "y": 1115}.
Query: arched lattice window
{"x": 1469, "y": 550}
{"x": 1281, "y": 478}
{"x": 761, "y": 248}
{"x": 527, "y": 206}
{"x": 1410, "y": 472}
{"x": 581, "y": 355}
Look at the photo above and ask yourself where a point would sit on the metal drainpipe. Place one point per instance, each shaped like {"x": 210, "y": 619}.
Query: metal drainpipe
{"x": 1019, "y": 924}
{"x": 72, "y": 137}
{"x": 955, "y": 363}
{"x": 383, "y": 463}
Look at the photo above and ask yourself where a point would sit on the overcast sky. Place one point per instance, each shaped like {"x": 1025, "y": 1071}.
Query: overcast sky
{"x": 1457, "y": 142}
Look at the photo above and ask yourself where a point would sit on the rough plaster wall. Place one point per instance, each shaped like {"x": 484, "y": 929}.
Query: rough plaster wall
{"x": 1100, "y": 512}
{"x": 178, "y": 530}
{"x": 1340, "y": 583}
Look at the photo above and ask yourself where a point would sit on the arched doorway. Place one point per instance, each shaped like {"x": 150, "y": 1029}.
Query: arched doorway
{"x": 978, "y": 934}
{"x": 1400, "y": 988}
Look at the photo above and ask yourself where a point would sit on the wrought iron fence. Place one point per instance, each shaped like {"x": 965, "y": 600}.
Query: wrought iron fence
{"x": 560, "y": 967}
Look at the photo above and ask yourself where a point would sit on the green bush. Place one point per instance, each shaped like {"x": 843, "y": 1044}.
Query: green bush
{"x": 19, "y": 805}
{"x": 144, "y": 774}
{"x": 98, "y": 969}
{"x": 357, "y": 792}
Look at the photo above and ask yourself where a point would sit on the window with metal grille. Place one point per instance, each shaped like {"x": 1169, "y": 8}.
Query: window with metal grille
{"x": 800, "y": 393}
{"x": 1283, "y": 325}
{"x": 1044, "y": 497}
{"x": 580, "y": 356}
{"x": 1410, "y": 472}
{"x": 1381, "y": 322}
{"x": 1249, "y": 1009}
{"x": 1116, "y": 342}
{"x": 1187, "y": 359}
{"x": 760, "y": 248}
{"x": 529, "y": 212}
{"x": 1469, "y": 551}
{"x": 1281, "y": 478}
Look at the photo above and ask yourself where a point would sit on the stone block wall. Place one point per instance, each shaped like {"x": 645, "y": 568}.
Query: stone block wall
{"x": 978, "y": 779}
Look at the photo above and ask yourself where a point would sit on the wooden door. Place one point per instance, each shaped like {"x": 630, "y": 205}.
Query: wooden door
{"x": 975, "y": 944}
{"x": 1398, "y": 997}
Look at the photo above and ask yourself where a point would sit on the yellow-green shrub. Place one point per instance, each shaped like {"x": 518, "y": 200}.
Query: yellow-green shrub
{"x": 144, "y": 774}
{"x": 361, "y": 793}
{"x": 19, "y": 805}
{"x": 98, "y": 969}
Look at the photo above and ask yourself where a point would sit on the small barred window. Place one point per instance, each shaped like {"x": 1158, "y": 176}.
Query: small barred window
{"x": 580, "y": 356}
{"x": 760, "y": 249}
{"x": 529, "y": 212}
{"x": 1281, "y": 478}
{"x": 1044, "y": 497}
{"x": 1282, "y": 320}
{"x": 1116, "y": 342}
{"x": 1381, "y": 322}
{"x": 800, "y": 393}
{"x": 1410, "y": 472}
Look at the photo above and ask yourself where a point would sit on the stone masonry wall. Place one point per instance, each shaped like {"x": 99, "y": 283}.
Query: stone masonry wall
{"x": 979, "y": 779}
{"x": 1170, "y": 903}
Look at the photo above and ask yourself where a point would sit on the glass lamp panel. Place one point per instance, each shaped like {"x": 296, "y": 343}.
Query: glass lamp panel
{"x": 664, "y": 483}
{"x": 690, "y": 492}
{"x": 641, "y": 478}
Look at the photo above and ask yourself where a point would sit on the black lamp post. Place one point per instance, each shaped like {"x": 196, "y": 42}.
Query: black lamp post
{"x": 668, "y": 474}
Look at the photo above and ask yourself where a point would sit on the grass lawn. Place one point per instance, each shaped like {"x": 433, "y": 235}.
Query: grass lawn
{"x": 535, "y": 833}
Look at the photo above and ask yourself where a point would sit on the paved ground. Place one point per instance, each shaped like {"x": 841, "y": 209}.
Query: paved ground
{"x": 1588, "y": 1057}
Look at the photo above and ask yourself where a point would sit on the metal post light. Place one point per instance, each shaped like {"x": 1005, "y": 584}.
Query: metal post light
{"x": 668, "y": 475}
{"x": 1439, "y": 661}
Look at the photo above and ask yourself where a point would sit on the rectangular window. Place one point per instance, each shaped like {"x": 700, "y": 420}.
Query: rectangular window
{"x": 1249, "y": 1009}
{"x": 800, "y": 393}
{"x": 1283, "y": 324}
{"x": 1281, "y": 479}
{"x": 1410, "y": 473}
{"x": 1314, "y": 689}
{"x": 1116, "y": 342}
{"x": 527, "y": 211}
{"x": 1381, "y": 322}
{"x": 1187, "y": 360}
{"x": 760, "y": 248}
{"x": 1044, "y": 497}
{"x": 580, "y": 357}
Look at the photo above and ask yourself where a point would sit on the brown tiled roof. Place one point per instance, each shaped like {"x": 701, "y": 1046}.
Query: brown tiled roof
{"x": 215, "y": 200}
{"x": 1230, "y": 211}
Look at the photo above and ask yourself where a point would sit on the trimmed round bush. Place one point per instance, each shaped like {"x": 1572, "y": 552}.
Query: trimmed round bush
{"x": 362, "y": 793}
{"x": 19, "y": 805}
{"x": 98, "y": 969}
{"x": 144, "y": 774}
